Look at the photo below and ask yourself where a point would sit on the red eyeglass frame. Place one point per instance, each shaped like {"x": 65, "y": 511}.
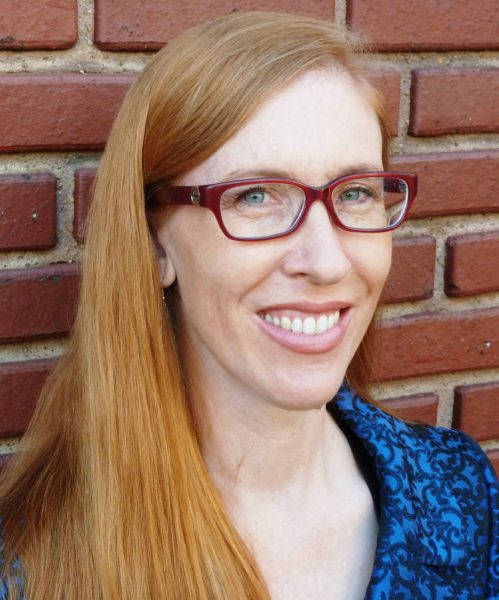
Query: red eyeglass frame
{"x": 208, "y": 196}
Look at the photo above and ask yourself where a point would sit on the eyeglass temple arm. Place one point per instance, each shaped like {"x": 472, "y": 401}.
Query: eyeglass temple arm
{"x": 179, "y": 194}
{"x": 396, "y": 185}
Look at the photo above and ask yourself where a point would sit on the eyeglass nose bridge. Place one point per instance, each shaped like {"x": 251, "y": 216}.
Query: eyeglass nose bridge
{"x": 318, "y": 193}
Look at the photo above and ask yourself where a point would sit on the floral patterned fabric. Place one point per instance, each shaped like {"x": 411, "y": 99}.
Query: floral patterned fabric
{"x": 439, "y": 524}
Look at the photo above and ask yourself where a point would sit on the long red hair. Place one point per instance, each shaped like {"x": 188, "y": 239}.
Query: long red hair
{"x": 109, "y": 497}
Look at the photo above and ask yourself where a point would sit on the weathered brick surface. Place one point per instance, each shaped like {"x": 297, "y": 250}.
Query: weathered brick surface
{"x": 448, "y": 101}
{"x": 399, "y": 25}
{"x": 413, "y": 270}
{"x": 27, "y": 211}
{"x": 453, "y": 183}
{"x": 70, "y": 111}
{"x": 494, "y": 459}
{"x": 38, "y": 24}
{"x": 417, "y": 407}
{"x": 20, "y": 386}
{"x": 58, "y": 111}
{"x": 37, "y": 303}
{"x": 72, "y": 108}
{"x": 472, "y": 264}
{"x": 138, "y": 25}
{"x": 432, "y": 343}
{"x": 476, "y": 410}
{"x": 84, "y": 179}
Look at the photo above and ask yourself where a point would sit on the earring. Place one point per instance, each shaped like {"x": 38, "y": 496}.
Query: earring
{"x": 165, "y": 302}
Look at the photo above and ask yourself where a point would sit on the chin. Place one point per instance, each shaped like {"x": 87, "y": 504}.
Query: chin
{"x": 301, "y": 397}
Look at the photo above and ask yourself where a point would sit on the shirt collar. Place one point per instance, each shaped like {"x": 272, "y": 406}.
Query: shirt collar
{"x": 415, "y": 497}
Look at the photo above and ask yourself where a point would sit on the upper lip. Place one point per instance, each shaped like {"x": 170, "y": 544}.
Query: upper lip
{"x": 309, "y": 307}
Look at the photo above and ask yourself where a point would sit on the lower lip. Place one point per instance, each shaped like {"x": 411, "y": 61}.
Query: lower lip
{"x": 310, "y": 344}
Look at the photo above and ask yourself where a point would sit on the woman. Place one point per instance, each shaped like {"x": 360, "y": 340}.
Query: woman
{"x": 196, "y": 452}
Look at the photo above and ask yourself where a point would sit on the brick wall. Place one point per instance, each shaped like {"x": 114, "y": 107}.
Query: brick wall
{"x": 65, "y": 67}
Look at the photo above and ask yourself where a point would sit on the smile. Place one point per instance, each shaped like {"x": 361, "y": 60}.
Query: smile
{"x": 306, "y": 329}
{"x": 310, "y": 325}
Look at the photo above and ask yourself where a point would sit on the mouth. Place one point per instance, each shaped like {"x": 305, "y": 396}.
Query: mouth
{"x": 305, "y": 328}
{"x": 304, "y": 324}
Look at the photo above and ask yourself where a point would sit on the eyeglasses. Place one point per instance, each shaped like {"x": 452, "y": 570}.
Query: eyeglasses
{"x": 262, "y": 209}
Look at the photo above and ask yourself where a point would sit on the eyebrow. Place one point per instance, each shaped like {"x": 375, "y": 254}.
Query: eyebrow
{"x": 257, "y": 173}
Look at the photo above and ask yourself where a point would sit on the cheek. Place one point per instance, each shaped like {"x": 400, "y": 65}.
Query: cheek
{"x": 371, "y": 259}
{"x": 212, "y": 271}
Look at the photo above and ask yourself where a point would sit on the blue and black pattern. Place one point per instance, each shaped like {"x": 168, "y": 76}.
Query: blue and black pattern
{"x": 439, "y": 497}
{"x": 439, "y": 519}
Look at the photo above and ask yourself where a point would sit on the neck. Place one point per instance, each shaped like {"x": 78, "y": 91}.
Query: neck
{"x": 252, "y": 448}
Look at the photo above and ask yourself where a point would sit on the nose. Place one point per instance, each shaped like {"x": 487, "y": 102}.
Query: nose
{"x": 316, "y": 249}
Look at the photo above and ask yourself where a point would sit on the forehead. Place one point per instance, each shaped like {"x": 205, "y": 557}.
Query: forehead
{"x": 311, "y": 130}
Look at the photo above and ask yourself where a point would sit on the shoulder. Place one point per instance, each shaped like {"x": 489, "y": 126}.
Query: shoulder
{"x": 449, "y": 453}
{"x": 438, "y": 490}
{"x": 453, "y": 478}
{"x": 16, "y": 579}
{"x": 432, "y": 451}
{"x": 455, "y": 494}
{"x": 4, "y": 590}
{"x": 451, "y": 464}
{"x": 429, "y": 450}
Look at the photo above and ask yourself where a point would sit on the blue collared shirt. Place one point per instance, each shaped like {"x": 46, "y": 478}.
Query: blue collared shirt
{"x": 439, "y": 524}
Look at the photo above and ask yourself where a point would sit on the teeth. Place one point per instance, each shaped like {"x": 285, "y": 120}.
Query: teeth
{"x": 322, "y": 324}
{"x": 307, "y": 326}
{"x": 333, "y": 319}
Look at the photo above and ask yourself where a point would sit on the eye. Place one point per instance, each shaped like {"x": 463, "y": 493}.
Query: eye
{"x": 350, "y": 195}
{"x": 253, "y": 196}
{"x": 355, "y": 194}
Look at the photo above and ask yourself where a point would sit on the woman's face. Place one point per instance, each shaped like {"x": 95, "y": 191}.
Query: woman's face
{"x": 317, "y": 128}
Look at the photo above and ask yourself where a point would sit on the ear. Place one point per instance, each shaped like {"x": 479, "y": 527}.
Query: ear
{"x": 167, "y": 271}
{"x": 166, "y": 268}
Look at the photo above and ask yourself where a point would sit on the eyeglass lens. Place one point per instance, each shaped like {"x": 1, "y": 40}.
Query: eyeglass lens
{"x": 262, "y": 210}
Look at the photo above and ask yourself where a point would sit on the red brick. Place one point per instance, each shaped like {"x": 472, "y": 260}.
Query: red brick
{"x": 454, "y": 101}
{"x": 58, "y": 111}
{"x": 20, "y": 386}
{"x": 453, "y": 183}
{"x": 138, "y": 25}
{"x": 494, "y": 459}
{"x": 417, "y": 407}
{"x": 398, "y": 25}
{"x": 388, "y": 84}
{"x": 432, "y": 343}
{"x": 413, "y": 270}
{"x": 84, "y": 179}
{"x": 471, "y": 265}
{"x": 37, "y": 303}
{"x": 27, "y": 212}
{"x": 38, "y": 24}
{"x": 476, "y": 410}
